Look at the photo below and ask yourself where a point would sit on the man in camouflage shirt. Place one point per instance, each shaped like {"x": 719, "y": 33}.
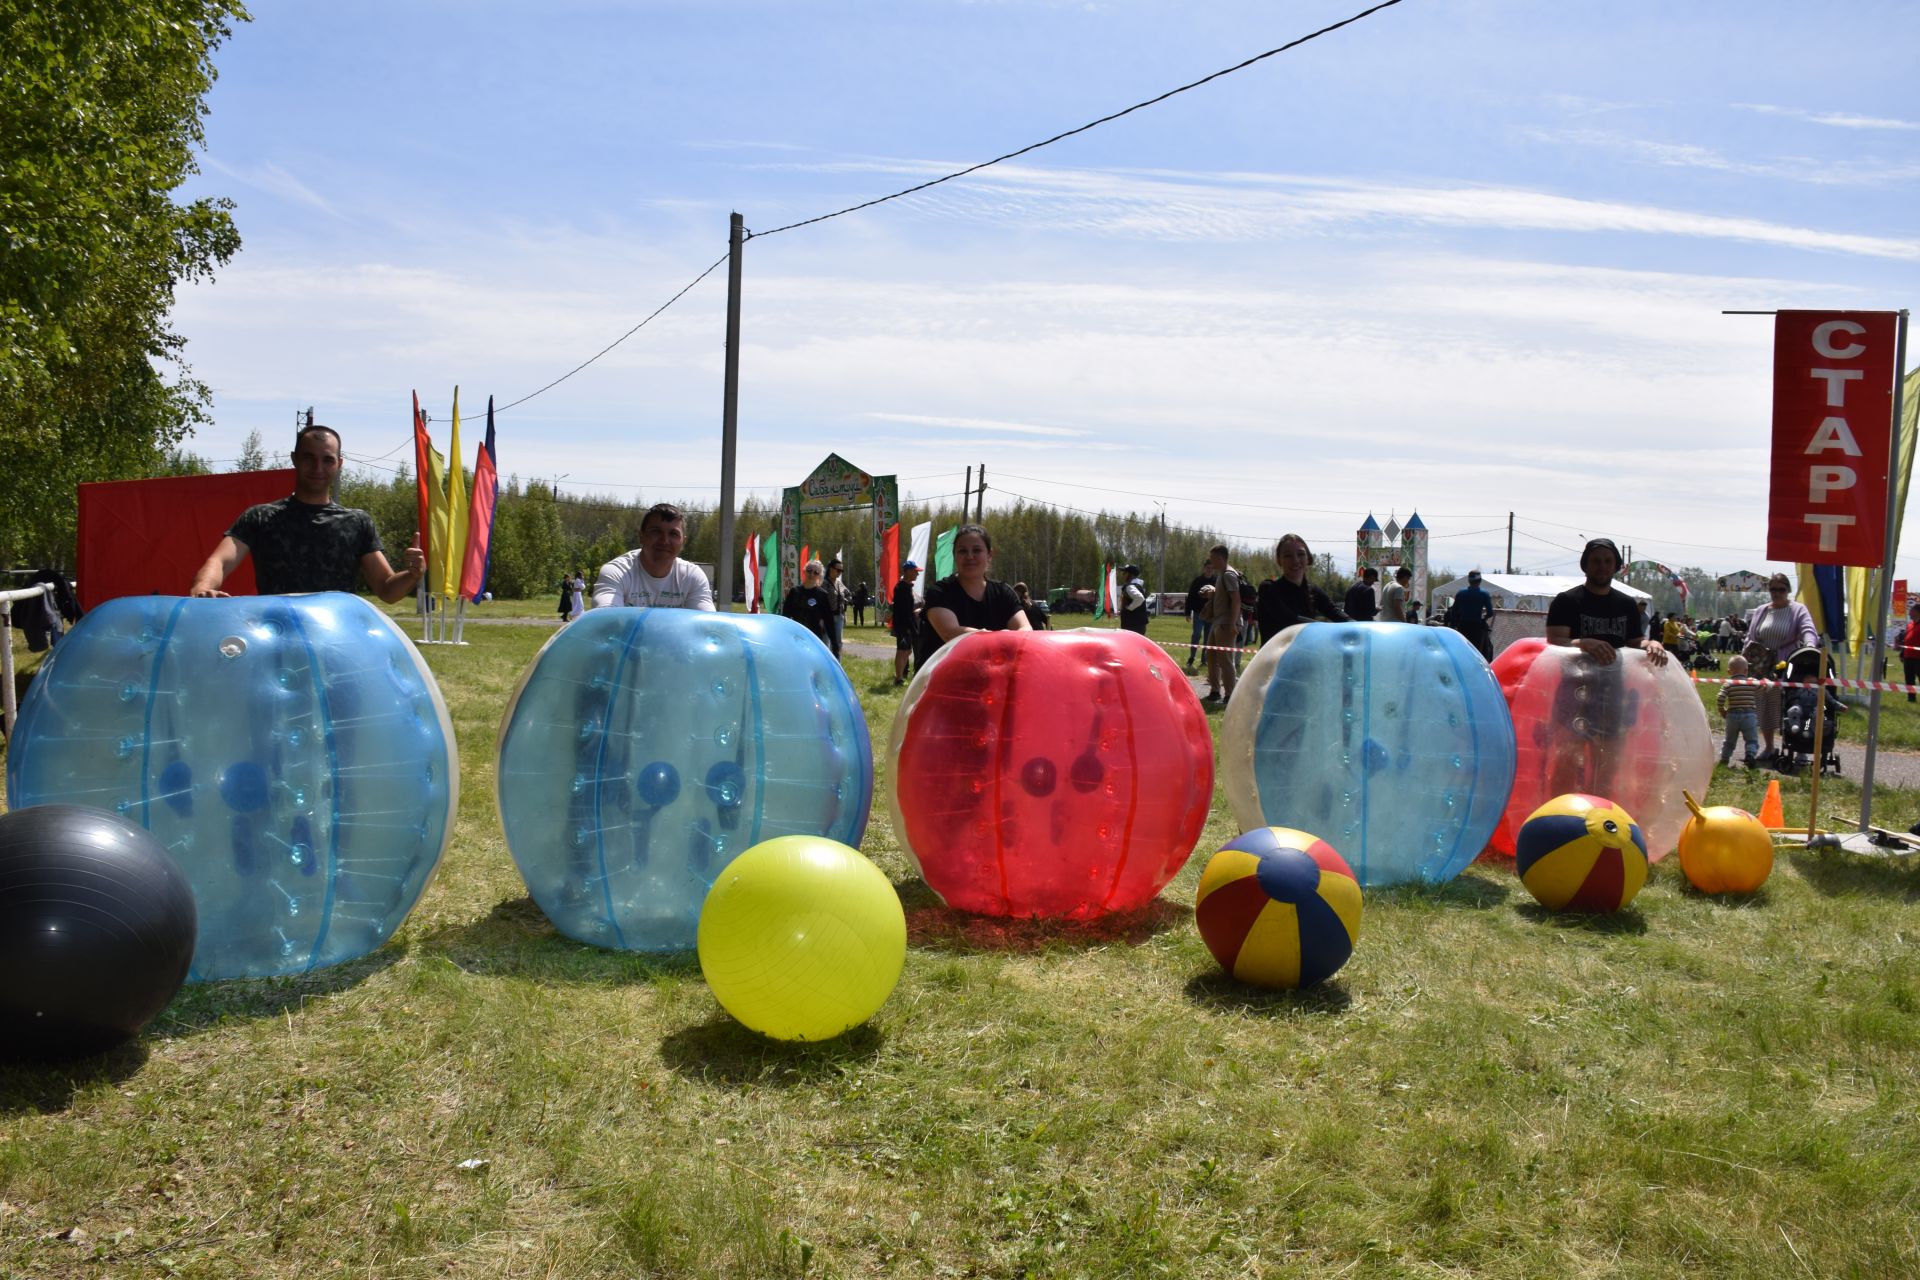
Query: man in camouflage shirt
{"x": 307, "y": 541}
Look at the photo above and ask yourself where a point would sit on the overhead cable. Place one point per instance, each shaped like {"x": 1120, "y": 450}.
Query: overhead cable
{"x": 1091, "y": 124}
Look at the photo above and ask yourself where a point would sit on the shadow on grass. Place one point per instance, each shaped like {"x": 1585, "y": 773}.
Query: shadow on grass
{"x": 1726, "y": 901}
{"x": 205, "y": 1004}
{"x": 516, "y": 939}
{"x": 935, "y": 926}
{"x": 1480, "y": 886}
{"x": 1629, "y": 921}
{"x": 1834, "y": 873}
{"x": 48, "y": 1087}
{"x": 1216, "y": 989}
{"x": 721, "y": 1050}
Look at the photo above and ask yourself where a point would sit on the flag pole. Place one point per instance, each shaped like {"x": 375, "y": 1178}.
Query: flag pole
{"x": 1883, "y": 594}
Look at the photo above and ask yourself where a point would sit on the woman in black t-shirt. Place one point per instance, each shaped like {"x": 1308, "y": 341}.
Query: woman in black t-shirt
{"x": 1290, "y": 598}
{"x": 807, "y": 604}
{"x": 969, "y": 600}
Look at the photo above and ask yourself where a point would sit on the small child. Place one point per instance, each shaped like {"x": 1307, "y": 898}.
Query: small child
{"x": 1740, "y": 704}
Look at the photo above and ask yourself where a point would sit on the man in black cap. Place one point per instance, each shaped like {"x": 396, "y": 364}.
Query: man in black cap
{"x": 1596, "y": 619}
{"x": 1471, "y": 614}
{"x": 1133, "y": 600}
{"x": 906, "y": 623}
{"x": 1590, "y": 705}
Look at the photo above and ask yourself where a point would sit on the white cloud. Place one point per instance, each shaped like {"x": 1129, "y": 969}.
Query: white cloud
{"x": 1832, "y": 119}
{"x": 1168, "y": 206}
{"x": 275, "y": 181}
{"x": 975, "y": 424}
{"x": 1689, "y": 156}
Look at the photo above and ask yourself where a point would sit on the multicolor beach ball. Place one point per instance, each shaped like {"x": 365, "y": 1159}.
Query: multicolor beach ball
{"x": 1278, "y": 908}
{"x": 1581, "y": 853}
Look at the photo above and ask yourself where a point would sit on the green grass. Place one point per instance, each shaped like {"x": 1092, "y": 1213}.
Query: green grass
{"x": 1725, "y": 1087}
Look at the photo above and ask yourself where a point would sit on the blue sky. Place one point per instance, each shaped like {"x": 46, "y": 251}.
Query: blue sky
{"x": 1463, "y": 257}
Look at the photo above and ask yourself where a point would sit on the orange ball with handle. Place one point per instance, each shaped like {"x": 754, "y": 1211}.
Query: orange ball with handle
{"x": 1724, "y": 849}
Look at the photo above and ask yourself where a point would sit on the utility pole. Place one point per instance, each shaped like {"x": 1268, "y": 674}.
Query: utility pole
{"x": 966, "y": 496}
{"x": 729, "y": 417}
{"x": 1509, "y": 542}
{"x": 980, "y": 498}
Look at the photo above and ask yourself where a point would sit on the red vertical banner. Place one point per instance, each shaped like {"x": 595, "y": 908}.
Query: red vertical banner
{"x": 420, "y": 447}
{"x": 1899, "y": 598}
{"x": 1832, "y": 436}
{"x": 889, "y": 571}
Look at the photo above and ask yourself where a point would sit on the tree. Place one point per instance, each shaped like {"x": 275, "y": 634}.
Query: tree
{"x": 101, "y": 103}
{"x": 253, "y": 454}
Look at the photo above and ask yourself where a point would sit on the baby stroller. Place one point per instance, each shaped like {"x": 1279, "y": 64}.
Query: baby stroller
{"x": 1797, "y": 712}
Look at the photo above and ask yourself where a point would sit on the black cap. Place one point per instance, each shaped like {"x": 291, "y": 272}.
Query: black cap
{"x": 1598, "y": 544}
{"x": 1129, "y": 568}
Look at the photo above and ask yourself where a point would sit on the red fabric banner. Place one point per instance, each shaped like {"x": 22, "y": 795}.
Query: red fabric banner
{"x": 1832, "y": 436}
{"x": 751, "y": 588}
{"x": 889, "y": 571}
{"x": 473, "y": 571}
{"x": 420, "y": 446}
{"x": 149, "y": 537}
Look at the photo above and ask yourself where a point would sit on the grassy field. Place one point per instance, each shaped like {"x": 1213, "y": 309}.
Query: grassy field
{"x": 1721, "y": 1086}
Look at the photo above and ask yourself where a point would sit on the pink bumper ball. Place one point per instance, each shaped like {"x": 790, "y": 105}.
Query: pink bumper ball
{"x": 1052, "y": 774}
{"x": 1629, "y": 731}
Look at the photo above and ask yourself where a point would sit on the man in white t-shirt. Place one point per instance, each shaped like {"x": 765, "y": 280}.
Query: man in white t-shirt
{"x": 653, "y": 576}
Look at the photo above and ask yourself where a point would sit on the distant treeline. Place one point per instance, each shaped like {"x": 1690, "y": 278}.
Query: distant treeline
{"x": 540, "y": 534}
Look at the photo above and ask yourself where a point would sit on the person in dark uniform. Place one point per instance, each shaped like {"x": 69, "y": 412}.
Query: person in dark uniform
{"x": 1133, "y": 601}
{"x": 905, "y": 623}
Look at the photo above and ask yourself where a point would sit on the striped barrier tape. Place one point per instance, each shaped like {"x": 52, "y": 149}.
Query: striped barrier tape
{"x": 1832, "y": 682}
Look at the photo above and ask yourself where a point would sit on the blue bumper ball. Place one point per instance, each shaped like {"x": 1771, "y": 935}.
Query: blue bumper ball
{"x": 645, "y": 749}
{"x": 291, "y": 752}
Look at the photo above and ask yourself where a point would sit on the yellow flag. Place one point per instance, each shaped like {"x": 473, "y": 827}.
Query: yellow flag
{"x": 436, "y": 520}
{"x": 1863, "y": 585}
{"x": 456, "y": 543}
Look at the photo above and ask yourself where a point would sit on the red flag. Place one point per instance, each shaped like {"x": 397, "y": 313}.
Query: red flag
{"x": 750, "y": 565}
{"x": 889, "y": 561}
{"x": 420, "y": 447}
{"x": 486, "y": 485}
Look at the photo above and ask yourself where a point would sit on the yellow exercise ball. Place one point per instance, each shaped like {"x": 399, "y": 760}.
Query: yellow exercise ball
{"x": 1724, "y": 849}
{"x": 802, "y": 938}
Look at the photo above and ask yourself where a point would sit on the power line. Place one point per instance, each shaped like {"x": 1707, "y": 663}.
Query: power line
{"x": 934, "y": 182}
{"x": 1534, "y": 537}
{"x": 617, "y": 341}
{"x": 1092, "y": 124}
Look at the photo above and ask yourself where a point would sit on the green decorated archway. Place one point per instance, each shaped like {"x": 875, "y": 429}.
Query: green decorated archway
{"x": 835, "y": 485}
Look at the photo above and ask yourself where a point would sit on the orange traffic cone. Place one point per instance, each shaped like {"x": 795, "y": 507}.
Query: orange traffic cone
{"x": 1771, "y": 816}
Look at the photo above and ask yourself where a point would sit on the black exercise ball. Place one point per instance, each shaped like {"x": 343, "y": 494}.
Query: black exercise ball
{"x": 96, "y": 930}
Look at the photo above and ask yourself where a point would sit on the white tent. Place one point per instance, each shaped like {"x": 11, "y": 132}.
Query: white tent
{"x": 1525, "y": 590}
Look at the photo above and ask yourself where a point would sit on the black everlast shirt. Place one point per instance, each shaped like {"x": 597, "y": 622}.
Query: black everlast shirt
{"x": 298, "y": 546}
{"x": 1611, "y": 617}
